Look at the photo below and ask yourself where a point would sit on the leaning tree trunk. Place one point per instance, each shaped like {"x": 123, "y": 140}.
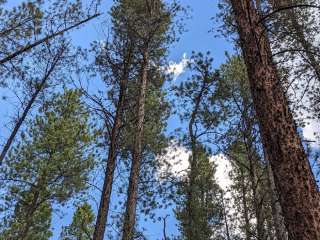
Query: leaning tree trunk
{"x": 130, "y": 214}
{"x": 299, "y": 196}
{"x": 111, "y": 164}
{"x": 45, "y": 39}
{"x": 29, "y": 105}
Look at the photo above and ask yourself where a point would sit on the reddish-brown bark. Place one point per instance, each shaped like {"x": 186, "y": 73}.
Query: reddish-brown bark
{"x": 299, "y": 196}
{"x": 130, "y": 214}
{"x": 111, "y": 163}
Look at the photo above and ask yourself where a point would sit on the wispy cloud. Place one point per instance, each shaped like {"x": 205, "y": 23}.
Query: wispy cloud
{"x": 177, "y": 68}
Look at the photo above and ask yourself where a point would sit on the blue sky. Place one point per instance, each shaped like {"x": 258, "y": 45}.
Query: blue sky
{"x": 196, "y": 38}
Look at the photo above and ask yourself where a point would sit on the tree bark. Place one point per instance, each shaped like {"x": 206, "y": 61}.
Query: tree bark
{"x": 299, "y": 196}
{"x": 130, "y": 214}
{"x": 111, "y": 162}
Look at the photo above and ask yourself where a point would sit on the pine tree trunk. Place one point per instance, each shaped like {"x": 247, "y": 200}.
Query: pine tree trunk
{"x": 257, "y": 201}
{"x": 225, "y": 217}
{"x": 191, "y": 233}
{"x": 246, "y": 217}
{"x": 253, "y": 161}
{"x": 278, "y": 221}
{"x": 130, "y": 214}
{"x": 299, "y": 196}
{"x": 111, "y": 164}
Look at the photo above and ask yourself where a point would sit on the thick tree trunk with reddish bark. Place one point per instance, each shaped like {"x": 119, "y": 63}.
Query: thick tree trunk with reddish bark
{"x": 299, "y": 196}
{"x": 111, "y": 164}
{"x": 130, "y": 214}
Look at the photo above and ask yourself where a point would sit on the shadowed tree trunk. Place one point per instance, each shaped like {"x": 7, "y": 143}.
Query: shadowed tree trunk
{"x": 112, "y": 157}
{"x": 299, "y": 196}
{"x": 225, "y": 217}
{"x": 246, "y": 217}
{"x": 165, "y": 228}
{"x": 281, "y": 232}
{"x": 30, "y": 212}
{"x": 130, "y": 214}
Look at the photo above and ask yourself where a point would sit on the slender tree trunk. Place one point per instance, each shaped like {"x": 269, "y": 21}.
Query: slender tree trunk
{"x": 130, "y": 214}
{"x": 111, "y": 163}
{"x": 193, "y": 165}
{"x": 299, "y": 196}
{"x": 165, "y": 228}
{"x": 225, "y": 217}
{"x": 245, "y": 208}
{"x": 253, "y": 160}
{"x": 28, "y": 107}
{"x": 281, "y": 232}
{"x": 257, "y": 201}
{"x": 298, "y": 34}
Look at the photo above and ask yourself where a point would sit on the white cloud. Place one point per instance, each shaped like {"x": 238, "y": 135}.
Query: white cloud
{"x": 177, "y": 68}
{"x": 176, "y": 163}
{"x": 223, "y": 168}
{"x": 309, "y": 132}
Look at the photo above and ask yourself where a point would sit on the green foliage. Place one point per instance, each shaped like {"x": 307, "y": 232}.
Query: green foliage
{"x": 201, "y": 100}
{"x": 204, "y": 109}
{"x": 29, "y": 227}
{"x": 82, "y": 225}
{"x": 150, "y": 26}
{"x": 49, "y": 165}
{"x": 205, "y": 201}
{"x": 250, "y": 189}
